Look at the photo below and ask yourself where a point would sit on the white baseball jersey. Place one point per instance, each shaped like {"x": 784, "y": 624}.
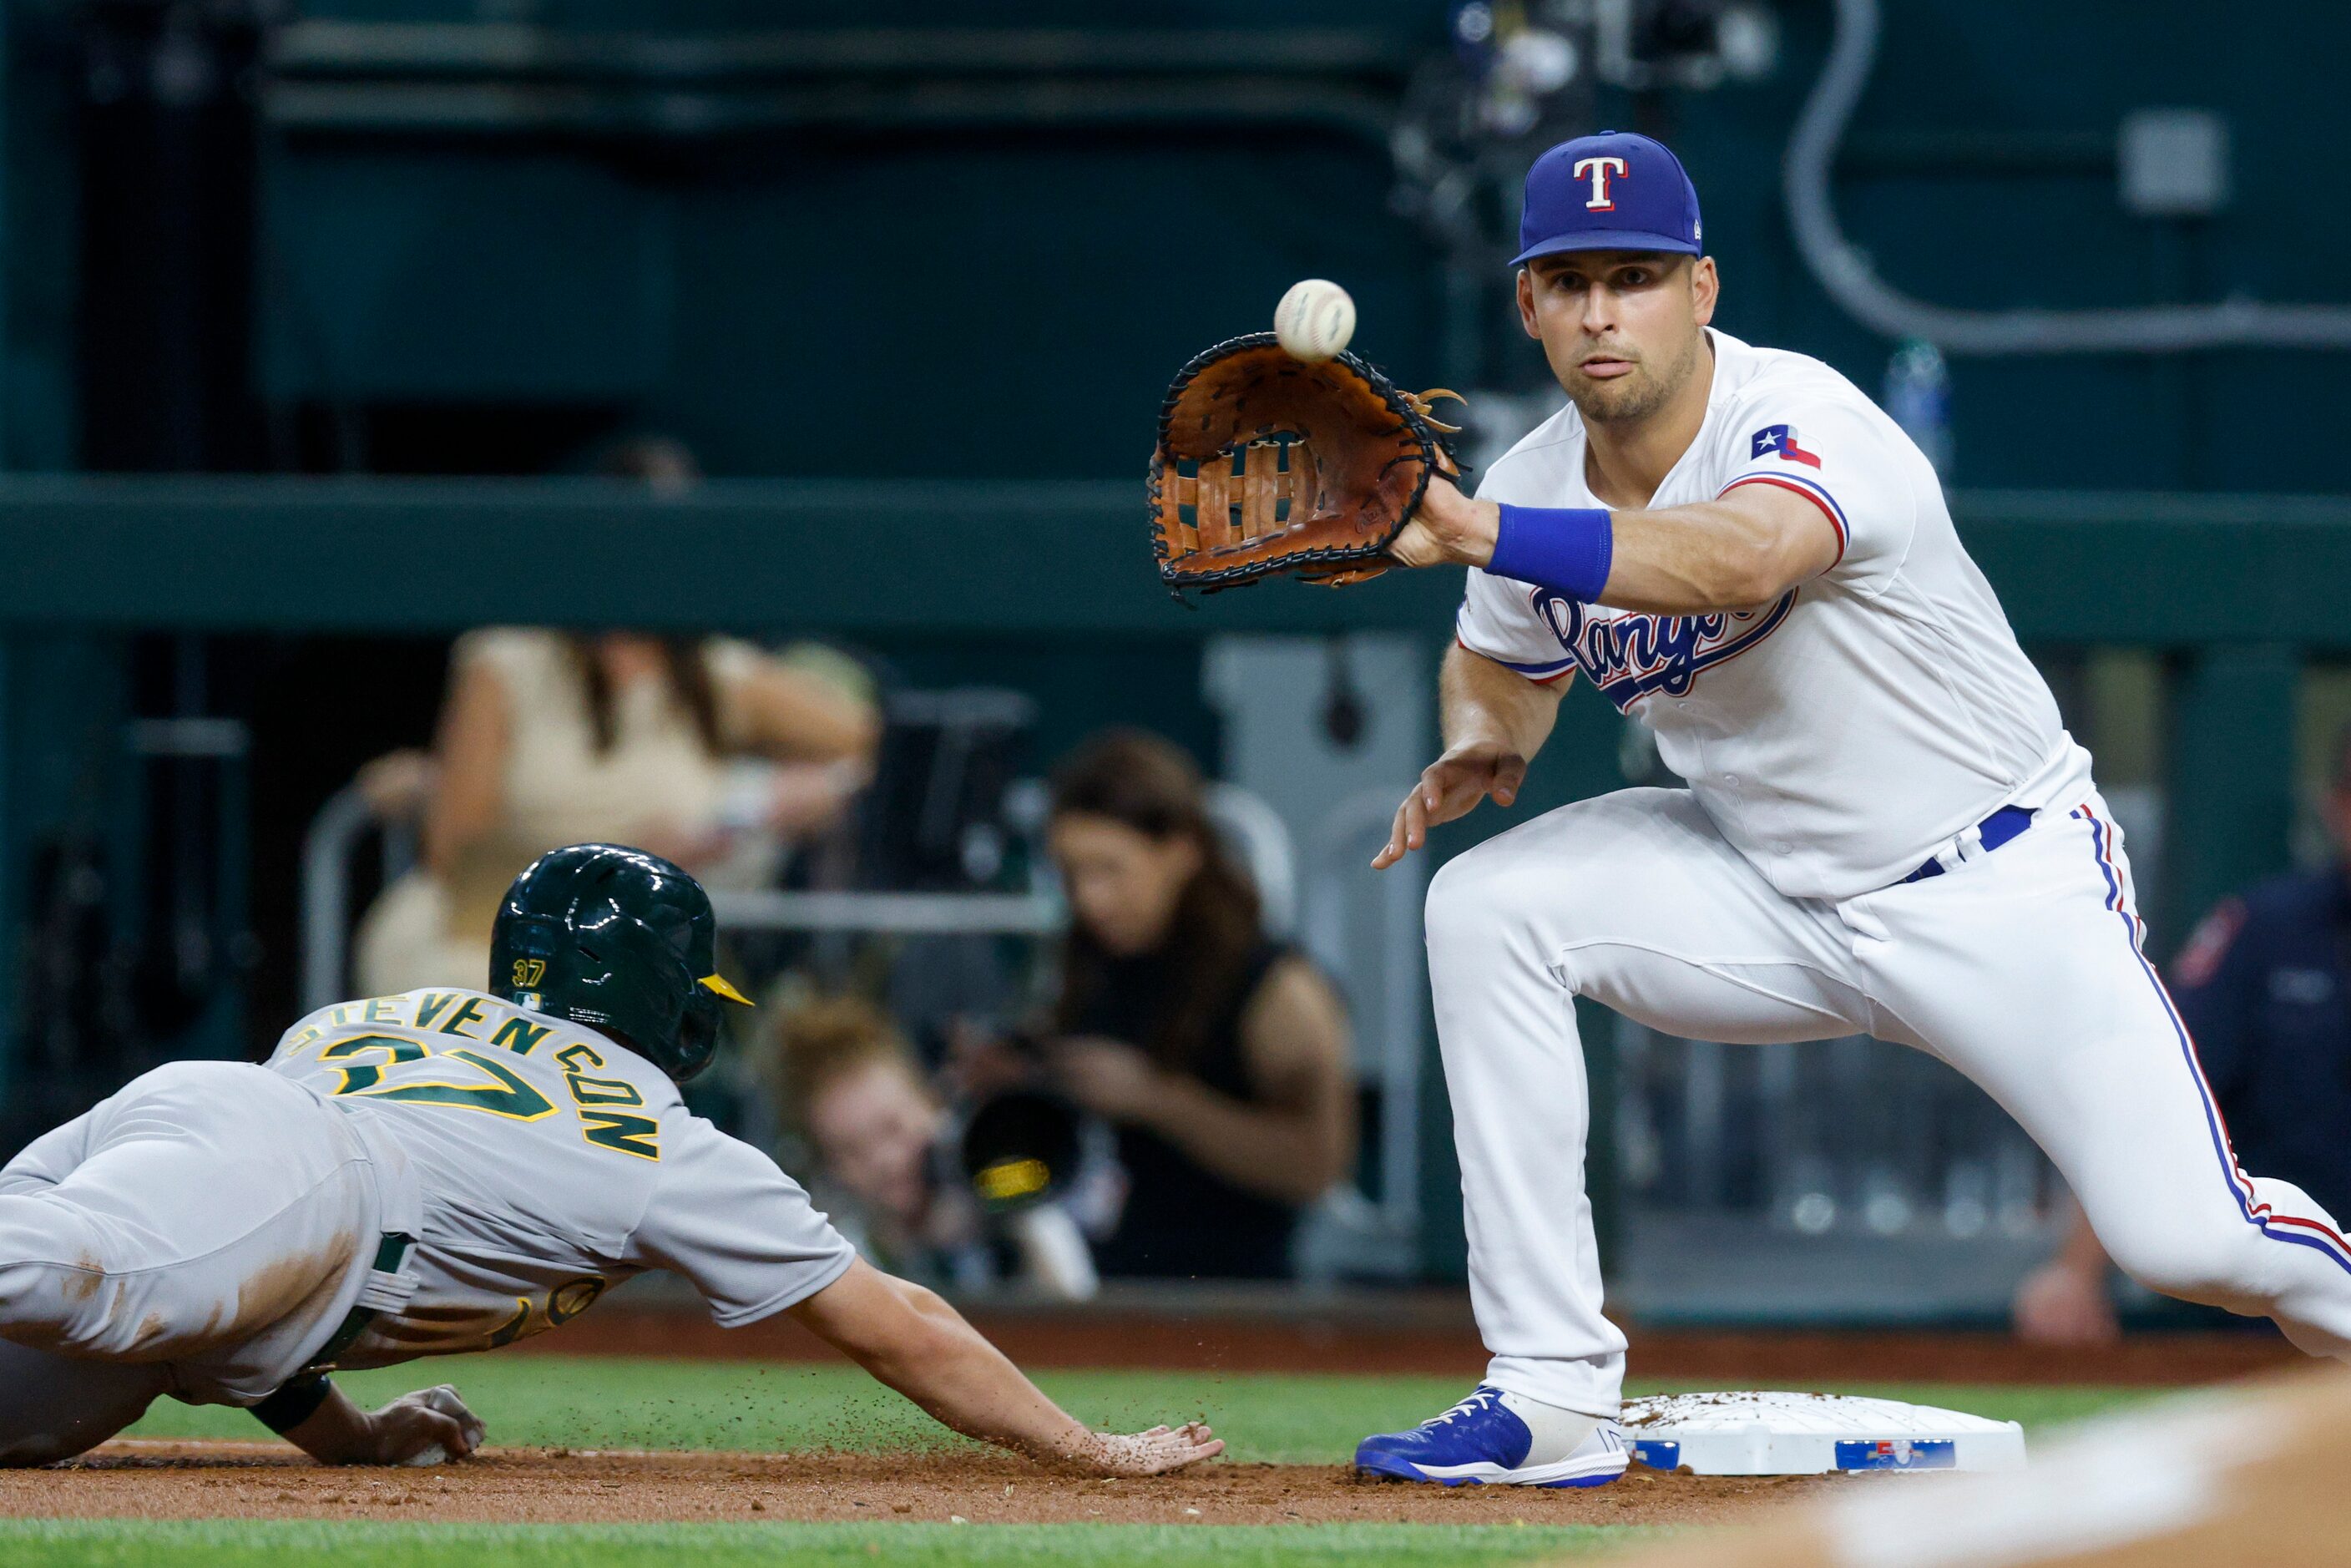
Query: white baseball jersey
{"x": 1833, "y": 741}
{"x": 1839, "y": 735}
{"x": 550, "y": 1164}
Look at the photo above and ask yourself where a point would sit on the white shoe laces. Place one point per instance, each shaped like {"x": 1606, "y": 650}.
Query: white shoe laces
{"x": 1480, "y": 1399}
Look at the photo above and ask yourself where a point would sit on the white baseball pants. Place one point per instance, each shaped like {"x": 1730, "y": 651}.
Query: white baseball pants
{"x": 2020, "y": 966}
{"x": 200, "y": 1234}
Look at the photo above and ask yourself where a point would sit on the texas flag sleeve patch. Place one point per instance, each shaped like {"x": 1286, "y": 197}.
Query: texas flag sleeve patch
{"x": 1779, "y": 441}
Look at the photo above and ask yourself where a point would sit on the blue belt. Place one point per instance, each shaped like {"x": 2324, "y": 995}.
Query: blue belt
{"x": 1995, "y": 830}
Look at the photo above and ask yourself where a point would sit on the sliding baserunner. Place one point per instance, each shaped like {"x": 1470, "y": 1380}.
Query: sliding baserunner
{"x": 449, "y": 1171}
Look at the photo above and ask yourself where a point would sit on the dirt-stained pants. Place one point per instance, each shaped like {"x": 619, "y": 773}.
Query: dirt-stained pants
{"x": 194, "y": 1234}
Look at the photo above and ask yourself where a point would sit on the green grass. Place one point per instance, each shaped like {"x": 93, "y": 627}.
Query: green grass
{"x": 129, "y": 1544}
{"x": 597, "y": 1402}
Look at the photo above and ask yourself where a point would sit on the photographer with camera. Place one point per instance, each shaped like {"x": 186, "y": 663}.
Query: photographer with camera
{"x": 966, "y": 1196}
{"x": 1220, "y": 1056}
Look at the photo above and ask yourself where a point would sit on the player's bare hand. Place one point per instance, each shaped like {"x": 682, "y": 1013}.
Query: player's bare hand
{"x": 1154, "y": 1452}
{"x": 426, "y": 1427}
{"x": 2060, "y": 1305}
{"x": 1451, "y": 787}
{"x": 1448, "y": 526}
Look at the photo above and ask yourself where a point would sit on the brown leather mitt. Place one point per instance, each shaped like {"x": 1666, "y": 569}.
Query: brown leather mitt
{"x": 1268, "y": 464}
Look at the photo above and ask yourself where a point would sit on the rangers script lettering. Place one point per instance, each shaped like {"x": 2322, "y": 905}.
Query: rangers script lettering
{"x": 1629, "y": 657}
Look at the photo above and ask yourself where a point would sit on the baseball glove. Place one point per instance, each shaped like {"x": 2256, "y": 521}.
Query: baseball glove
{"x": 1268, "y": 464}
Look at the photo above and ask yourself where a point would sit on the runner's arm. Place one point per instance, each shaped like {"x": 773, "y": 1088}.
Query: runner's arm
{"x": 912, "y": 1340}
{"x": 423, "y": 1428}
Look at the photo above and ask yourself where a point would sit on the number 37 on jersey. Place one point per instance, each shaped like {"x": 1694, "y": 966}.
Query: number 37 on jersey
{"x": 445, "y": 1049}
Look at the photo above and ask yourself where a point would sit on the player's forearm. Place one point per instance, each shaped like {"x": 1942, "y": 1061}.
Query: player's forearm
{"x": 966, "y": 1383}
{"x": 1743, "y": 550}
{"x": 337, "y": 1433}
{"x": 425, "y": 1427}
{"x": 1479, "y": 700}
{"x": 1701, "y": 558}
{"x": 912, "y": 1340}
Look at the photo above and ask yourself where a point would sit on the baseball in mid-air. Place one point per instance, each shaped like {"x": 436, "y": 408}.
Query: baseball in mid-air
{"x": 1315, "y": 319}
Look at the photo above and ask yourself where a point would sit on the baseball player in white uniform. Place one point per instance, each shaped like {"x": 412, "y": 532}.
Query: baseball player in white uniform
{"x": 447, "y": 1171}
{"x": 1886, "y": 830}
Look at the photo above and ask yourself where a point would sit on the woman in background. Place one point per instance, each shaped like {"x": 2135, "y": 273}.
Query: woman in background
{"x": 1221, "y": 1056}
{"x": 553, "y": 738}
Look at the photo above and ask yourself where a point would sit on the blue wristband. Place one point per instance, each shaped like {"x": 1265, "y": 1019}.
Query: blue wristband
{"x": 1567, "y": 549}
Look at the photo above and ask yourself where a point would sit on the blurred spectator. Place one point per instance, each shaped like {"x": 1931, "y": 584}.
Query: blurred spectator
{"x": 850, "y": 1087}
{"x": 887, "y": 1166}
{"x": 2265, "y": 986}
{"x": 707, "y": 750}
{"x": 1221, "y": 1057}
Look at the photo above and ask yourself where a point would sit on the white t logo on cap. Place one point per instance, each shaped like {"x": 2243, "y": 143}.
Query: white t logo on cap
{"x": 1601, "y": 169}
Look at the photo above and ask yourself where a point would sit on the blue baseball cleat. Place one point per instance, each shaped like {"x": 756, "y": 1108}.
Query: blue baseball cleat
{"x": 1493, "y": 1439}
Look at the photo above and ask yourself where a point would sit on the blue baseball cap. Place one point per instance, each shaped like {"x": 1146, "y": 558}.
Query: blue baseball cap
{"x": 1616, "y": 191}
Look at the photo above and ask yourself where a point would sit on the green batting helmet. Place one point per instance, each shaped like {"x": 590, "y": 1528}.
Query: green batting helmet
{"x": 621, "y": 941}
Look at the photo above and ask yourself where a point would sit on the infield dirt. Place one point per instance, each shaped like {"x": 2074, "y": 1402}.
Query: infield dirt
{"x": 148, "y": 1479}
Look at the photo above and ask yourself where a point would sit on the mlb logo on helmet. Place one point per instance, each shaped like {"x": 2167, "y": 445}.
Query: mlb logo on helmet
{"x": 1616, "y": 191}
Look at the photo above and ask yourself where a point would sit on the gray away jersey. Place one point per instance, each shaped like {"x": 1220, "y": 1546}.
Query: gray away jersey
{"x": 552, "y": 1164}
